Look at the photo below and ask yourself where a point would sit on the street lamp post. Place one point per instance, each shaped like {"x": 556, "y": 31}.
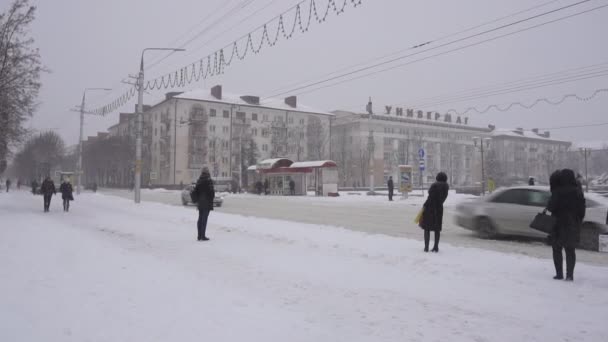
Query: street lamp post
{"x": 139, "y": 121}
{"x": 82, "y": 112}
{"x": 482, "y": 142}
{"x": 586, "y": 153}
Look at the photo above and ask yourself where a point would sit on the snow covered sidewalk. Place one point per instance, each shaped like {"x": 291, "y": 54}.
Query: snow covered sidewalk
{"x": 111, "y": 270}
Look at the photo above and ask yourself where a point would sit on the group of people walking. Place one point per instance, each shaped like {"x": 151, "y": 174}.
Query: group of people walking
{"x": 48, "y": 190}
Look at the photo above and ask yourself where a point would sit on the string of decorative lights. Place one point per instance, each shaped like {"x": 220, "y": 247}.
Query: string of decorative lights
{"x": 531, "y": 105}
{"x": 216, "y": 62}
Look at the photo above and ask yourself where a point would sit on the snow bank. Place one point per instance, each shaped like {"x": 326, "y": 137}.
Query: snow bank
{"x": 111, "y": 270}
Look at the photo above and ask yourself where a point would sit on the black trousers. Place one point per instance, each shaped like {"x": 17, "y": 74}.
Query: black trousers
{"x": 47, "y": 202}
{"x": 427, "y": 238}
{"x": 390, "y": 194}
{"x": 66, "y": 204}
{"x": 558, "y": 260}
{"x": 201, "y": 224}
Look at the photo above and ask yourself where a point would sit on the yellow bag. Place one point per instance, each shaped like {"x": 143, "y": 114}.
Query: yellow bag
{"x": 419, "y": 216}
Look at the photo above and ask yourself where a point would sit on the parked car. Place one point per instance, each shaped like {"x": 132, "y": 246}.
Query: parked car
{"x": 186, "y": 199}
{"x": 509, "y": 211}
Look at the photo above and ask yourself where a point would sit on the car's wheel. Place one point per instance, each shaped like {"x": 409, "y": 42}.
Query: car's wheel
{"x": 485, "y": 228}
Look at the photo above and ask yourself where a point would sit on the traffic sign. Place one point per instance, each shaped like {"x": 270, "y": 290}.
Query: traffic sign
{"x": 421, "y": 165}
{"x": 421, "y": 153}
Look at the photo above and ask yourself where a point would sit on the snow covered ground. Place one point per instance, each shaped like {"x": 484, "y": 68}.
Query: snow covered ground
{"x": 111, "y": 270}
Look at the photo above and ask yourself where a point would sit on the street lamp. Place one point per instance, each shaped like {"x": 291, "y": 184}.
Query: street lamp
{"x": 140, "y": 110}
{"x": 586, "y": 153}
{"x": 82, "y": 112}
{"x": 484, "y": 143}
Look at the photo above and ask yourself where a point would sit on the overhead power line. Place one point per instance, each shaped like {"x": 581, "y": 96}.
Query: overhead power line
{"x": 338, "y": 77}
{"x": 536, "y": 102}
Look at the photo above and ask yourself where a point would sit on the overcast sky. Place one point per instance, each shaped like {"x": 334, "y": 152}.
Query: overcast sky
{"x": 93, "y": 43}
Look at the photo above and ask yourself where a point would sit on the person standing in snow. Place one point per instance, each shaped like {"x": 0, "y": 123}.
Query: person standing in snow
{"x": 531, "y": 181}
{"x": 48, "y": 190}
{"x": 391, "y": 187}
{"x": 66, "y": 194}
{"x": 266, "y": 186}
{"x": 203, "y": 194}
{"x": 567, "y": 205}
{"x": 8, "y": 184}
{"x": 292, "y": 187}
{"x": 432, "y": 215}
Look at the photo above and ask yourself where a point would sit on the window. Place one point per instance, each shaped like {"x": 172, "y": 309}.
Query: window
{"x": 290, "y": 120}
{"x": 212, "y": 128}
{"x": 265, "y": 147}
{"x": 254, "y": 132}
{"x": 265, "y": 117}
{"x": 224, "y": 160}
{"x": 538, "y": 198}
{"x": 212, "y": 112}
{"x": 240, "y": 115}
{"x": 265, "y": 132}
{"x": 226, "y": 114}
{"x": 225, "y": 129}
{"x": 515, "y": 196}
{"x": 301, "y": 121}
{"x": 254, "y": 116}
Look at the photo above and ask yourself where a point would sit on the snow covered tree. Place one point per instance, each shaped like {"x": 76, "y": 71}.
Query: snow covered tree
{"x": 495, "y": 169}
{"x": 20, "y": 69}
{"x": 39, "y": 156}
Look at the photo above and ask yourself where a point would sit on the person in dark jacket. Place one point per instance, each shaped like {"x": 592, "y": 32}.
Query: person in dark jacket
{"x": 203, "y": 195}
{"x": 266, "y": 187}
{"x": 432, "y": 216}
{"x": 391, "y": 188}
{"x": 48, "y": 190}
{"x": 292, "y": 187}
{"x": 567, "y": 205}
{"x": 8, "y": 184}
{"x": 531, "y": 181}
{"x": 66, "y": 194}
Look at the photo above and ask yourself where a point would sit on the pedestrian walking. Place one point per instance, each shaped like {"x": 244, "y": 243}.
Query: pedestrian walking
{"x": 94, "y": 187}
{"x": 391, "y": 187}
{"x": 34, "y": 187}
{"x": 66, "y": 194}
{"x": 567, "y": 205}
{"x": 48, "y": 190}
{"x": 203, "y": 194}
{"x": 432, "y": 215}
{"x": 8, "y": 184}
{"x": 292, "y": 187}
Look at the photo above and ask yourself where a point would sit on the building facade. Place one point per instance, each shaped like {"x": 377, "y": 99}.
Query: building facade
{"x": 228, "y": 133}
{"x": 396, "y": 138}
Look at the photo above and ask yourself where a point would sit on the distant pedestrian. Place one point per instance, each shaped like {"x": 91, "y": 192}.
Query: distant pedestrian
{"x": 66, "y": 194}
{"x": 203, "y": 194}
{"x": 94, "y": 187}
{"x": 292, "y": 187}
{"x": 18, "y": 184}
{"x": 8, "y": 184}
{"x": 266, "y": 186}
{"x": 531, "y": 181}
{"x": 48, "y": 190}
{"x": 567, "y": 205}
{"x": 432, "y": 215}
{"x": 259, "y": 187}
{"x": 34, "y": 187}
{"x": 391, "y": 187}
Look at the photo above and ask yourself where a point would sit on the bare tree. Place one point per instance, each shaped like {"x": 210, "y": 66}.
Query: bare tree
{"x": 39, "y": 156}
{"x": 316, "y": 138}
{"x": 20, "y": 69}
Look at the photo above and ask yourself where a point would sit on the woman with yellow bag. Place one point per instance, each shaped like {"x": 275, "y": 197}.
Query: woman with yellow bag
{"x": 432, "y": 211}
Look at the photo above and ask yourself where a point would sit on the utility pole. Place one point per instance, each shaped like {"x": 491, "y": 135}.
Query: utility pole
{"x": 586, "y": 153}
{"x": 82, "y": 112}
{"x": 139, "y": 121}
{"x": 482, "y": 150}
{"x": 370, "y": 147}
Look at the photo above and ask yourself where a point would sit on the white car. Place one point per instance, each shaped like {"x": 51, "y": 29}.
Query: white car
{"x": 509, "y": 211}
{"x": 186, "y": 199}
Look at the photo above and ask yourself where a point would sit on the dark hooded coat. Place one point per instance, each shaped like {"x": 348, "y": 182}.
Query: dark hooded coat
{"x": 204, "y": 192}
{"x": 567, "y": 205}
{"x": 432, "y": 216}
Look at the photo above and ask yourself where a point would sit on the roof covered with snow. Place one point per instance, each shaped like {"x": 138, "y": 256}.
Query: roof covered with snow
{"x": 227, "y": 98}
{"x": 314, "y": 164}
{"x": 517, "y": 133}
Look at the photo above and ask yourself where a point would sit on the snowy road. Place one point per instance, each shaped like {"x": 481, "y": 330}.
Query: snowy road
{"x": 111, "y": 270}
{"x": 364, "y": 214}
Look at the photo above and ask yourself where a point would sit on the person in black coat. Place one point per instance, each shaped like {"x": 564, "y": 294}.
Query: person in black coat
{"x": 203, "y": 195}
{"x": 66, "y": 194}
{"x": 48, "y": 190}
{"x": 391, "y": 187}
{"x": 432, "y": 216}
{"x": 531, "y": 181}
{"x": 567, "y": 205}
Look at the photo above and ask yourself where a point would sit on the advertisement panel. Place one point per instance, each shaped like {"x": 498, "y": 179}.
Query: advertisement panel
{"x": 405, "y": 178}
